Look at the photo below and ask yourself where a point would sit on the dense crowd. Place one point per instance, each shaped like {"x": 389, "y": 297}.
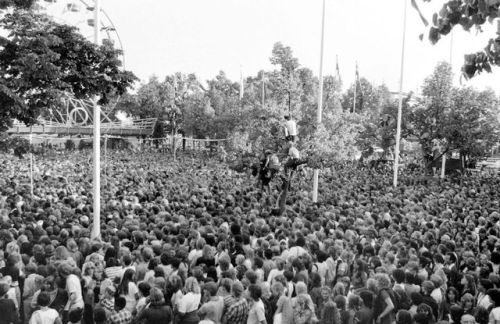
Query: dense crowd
{"x": 188, "y": 241}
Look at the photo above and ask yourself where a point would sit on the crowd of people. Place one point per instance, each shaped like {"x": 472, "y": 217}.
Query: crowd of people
{"x": 189, "y": 242}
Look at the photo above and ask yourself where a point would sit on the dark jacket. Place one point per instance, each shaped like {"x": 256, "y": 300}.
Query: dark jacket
{"x": 155, "y": 314}
{"x": 8, "y": 311}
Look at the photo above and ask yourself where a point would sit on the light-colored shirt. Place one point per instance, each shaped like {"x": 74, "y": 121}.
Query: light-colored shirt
{"x": 74, "y": 289}
{"x": 44, "y": 316}
{"x": 290, "y": 128}
{"x": 257, "y": 313}
{"x": 189, "y": 302}
{"x": 293, "y": 153}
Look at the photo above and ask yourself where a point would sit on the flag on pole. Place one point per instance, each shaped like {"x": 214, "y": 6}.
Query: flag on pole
{"x": 358, "y": 88}
{"x": 337, "y": 70}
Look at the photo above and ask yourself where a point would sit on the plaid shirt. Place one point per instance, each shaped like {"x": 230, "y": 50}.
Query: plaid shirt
{"x": 108, "y": 304}
{"x": 121, "y": 317}
{"x": 237, "y": 312}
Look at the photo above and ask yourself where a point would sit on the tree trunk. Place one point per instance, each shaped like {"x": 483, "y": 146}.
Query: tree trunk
{"x": 282, "y": 197}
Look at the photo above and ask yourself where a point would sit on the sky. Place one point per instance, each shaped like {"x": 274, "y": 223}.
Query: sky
{"x": 161, "y": 37}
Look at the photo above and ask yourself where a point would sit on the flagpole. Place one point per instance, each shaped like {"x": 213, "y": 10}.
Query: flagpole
{"x": 96, "y": 179}
{"x": 320, "y": 101}
{"x": 400, "y": 107}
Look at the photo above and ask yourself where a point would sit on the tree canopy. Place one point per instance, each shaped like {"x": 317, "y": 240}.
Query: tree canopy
{"x": 469, "y": 14}
{"x": 41, "y": 59}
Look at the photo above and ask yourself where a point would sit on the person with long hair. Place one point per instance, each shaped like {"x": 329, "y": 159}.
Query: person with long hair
{"x": 58, "y": 297}
{"x": 450, "y": 299}
{"x": 469, "y": 284}
{"x": 128, "y": 289}
{"x": 187, "y": 306}
{"x": 467, "y": 302}
{"x": 284, "y": 308}
{"x": 360, "y": 274}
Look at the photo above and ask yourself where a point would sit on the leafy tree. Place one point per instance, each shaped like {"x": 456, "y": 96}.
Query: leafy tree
{"x": 469, "y": 14}
{"x": 334, "y": 140}
{"x": 380, "y": 130}
{"x": 427, "y": 119}
{"x": 369, "y": 99}
{"x": 473, "y": 125}
{"x": 21, "y": 4}
{"x": 285, "y": 84}
{"x": 40, "y": 59}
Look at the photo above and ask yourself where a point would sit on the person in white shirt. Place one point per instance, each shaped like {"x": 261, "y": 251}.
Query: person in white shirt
{"x": 294, "y": 161}
{"x": 290, "y": 129}
{"x": 73, "y": 287}
{"x": 45, "y": 315}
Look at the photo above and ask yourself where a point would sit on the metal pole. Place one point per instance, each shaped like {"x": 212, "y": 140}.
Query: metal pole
{"x": 96, "y": 180}
{"x": 443, "y": 165}
{"x": 320, "y": 101}
{"x": 400, "y": 107}
{"x": 31, "y": 163}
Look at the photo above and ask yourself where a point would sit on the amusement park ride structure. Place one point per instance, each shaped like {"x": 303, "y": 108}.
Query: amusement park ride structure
{"x": 75, "y": 116}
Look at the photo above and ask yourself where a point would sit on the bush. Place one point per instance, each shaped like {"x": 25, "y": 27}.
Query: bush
{"x": 83, "y": 145}
{"x": 20, "y": 146}
{"x": 70, "y": 145}
{"x": 119, "y": 144}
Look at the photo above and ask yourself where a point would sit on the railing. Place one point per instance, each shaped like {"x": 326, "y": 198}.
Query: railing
{"x": 135, "y": 127}
{"x": 146, "y": 123}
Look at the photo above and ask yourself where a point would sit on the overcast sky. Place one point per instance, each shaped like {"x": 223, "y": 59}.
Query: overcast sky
{"x": 205, "y": 36}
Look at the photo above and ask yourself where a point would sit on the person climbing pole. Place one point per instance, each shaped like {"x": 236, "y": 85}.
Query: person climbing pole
{"x": 290, "y": 129}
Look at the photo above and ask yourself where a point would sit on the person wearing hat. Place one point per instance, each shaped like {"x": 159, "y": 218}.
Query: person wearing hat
{"x": 157, "y": 311}
{"x": 7, "y": 306}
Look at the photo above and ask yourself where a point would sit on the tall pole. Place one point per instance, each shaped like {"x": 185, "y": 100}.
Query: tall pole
{"x": 31, "y": 162}
{"x": 96, "y": 180}
{"x": 400, "y": 107}
{"x": 320, "y": 101}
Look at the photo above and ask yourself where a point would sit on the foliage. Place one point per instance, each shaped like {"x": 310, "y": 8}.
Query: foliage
{"x": 21, "y": 4}
{"x": 473, "y": 125}
{"x": 40, "y": 59}
{"x": 334, "y": 140}
{"x": 469, "y": 14}
{"x": 427, "y": 119}
{"x": 20, "y": 146}
{"x": 369, "y": 99}
{"x": 69, "y": 145}
{"x": 118, "y": 143}
{"x": 380, "y": 130}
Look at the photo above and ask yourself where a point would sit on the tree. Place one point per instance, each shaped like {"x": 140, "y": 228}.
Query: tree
{"x": 380, "y": 130}
{"x": 40, "y": 60}
{"x": 468, "y": 14}
{"x": 334, "y": 140}
{"x": 369, "y": 99}
{"x": 21, "y": 4}
{"x": 473, "y": 124}
{"x": 285, "y": 84}
{"x": 428, "y": 118}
